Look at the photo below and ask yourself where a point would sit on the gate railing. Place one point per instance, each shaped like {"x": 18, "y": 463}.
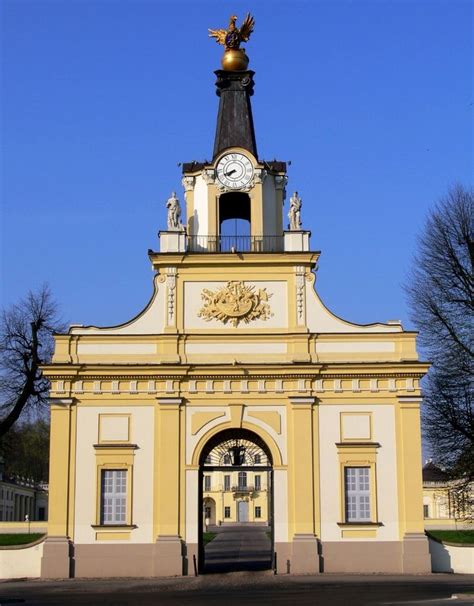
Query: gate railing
{"x": 234, "y": 244}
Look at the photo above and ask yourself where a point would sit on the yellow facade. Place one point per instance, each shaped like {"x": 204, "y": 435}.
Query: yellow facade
{"x": 235, "y": 342}
{"x": 222, "y": 498}
{"x": 447, "y": 503}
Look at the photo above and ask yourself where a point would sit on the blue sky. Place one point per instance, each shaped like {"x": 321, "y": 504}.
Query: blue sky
{"x": 371, "y": 101}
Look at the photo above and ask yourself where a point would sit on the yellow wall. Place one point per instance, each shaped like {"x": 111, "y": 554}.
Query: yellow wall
{"x": 295, "y": 380}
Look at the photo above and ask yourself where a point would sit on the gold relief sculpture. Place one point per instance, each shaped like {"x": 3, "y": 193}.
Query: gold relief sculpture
{"x": 234, "y": 57}
{"x": 235, "y": 303}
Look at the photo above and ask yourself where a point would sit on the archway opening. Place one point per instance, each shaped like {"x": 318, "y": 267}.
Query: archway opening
{"x": 235, "y": 503}
{"x": 234, "y": 222}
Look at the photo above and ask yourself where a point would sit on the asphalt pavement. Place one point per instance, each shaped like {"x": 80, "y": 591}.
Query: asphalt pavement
{"x": 245, "y": 553}
{"x": 237, "y": 548}
{"x": 249, "y": 588}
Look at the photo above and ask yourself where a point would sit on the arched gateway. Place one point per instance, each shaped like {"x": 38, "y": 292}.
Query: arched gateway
{"x": 236, "y": 500}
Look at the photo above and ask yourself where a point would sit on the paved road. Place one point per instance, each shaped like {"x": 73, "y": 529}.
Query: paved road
{"x": 239, "y": 547}
{"x": 251, "y": 589}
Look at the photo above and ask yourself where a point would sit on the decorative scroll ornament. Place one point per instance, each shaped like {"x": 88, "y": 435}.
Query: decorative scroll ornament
{"x": 300, "y": 273}
{"x": 188, "y": 183}
{"x": 235, "y": 303}
{"x": 171, "y": 283}
{"x": 280, "y": 184}
{"x": 260, "y": 175}
{"x": 209, "y": 176}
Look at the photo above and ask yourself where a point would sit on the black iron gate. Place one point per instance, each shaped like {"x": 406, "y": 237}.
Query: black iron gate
{"x": 229, "y": 451}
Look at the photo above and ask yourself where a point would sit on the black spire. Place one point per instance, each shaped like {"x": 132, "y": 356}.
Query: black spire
{"x": 234, "y": 120}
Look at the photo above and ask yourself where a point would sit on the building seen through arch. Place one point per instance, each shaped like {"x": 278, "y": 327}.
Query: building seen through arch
{"x": 235, "y": 396}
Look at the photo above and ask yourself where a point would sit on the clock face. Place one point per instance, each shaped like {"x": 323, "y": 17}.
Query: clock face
{"x": 234, "y": 171}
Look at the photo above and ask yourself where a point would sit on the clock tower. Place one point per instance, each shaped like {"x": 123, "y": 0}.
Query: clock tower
{"x": 235, "y": 185}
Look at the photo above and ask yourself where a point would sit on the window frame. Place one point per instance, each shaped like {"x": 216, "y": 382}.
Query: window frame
{"x": 362, "y": 454}
{"x": 227, "y": 510}
{"x": 114, "y": 458}
{"x": 353, "y": 511}
{"x": 115, "y": 496}
{"x": 242, "y": 480}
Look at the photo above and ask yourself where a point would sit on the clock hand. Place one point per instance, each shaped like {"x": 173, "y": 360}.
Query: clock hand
{"x": 230, "y": 172}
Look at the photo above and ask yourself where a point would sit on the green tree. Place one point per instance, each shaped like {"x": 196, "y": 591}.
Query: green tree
{"x": 25, "y": 451}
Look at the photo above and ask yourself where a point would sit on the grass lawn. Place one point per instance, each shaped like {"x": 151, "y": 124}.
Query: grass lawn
{"x": 19, "y": 539}
{"x": 208, "y": 536}
{"x": 453, "y": 536}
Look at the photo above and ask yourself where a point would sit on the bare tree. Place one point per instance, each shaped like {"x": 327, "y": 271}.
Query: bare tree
{"x": 441, "y": 297}
{"x": 26, "y": 342}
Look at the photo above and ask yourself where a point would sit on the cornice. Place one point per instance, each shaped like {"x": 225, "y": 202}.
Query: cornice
{"x": 251, "y": 259}
{"x": 228, "y": 376}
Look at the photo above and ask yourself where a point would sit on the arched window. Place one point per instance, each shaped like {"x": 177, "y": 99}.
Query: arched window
{"x": 234, "y": 222}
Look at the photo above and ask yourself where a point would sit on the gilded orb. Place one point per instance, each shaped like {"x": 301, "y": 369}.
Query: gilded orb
{"x": 235, "y": 60}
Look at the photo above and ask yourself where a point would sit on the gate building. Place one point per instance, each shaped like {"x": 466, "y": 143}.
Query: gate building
{"x": 235, "y": 368}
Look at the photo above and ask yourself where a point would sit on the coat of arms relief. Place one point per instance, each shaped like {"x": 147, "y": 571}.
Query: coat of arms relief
{"x": 235, "y": 303}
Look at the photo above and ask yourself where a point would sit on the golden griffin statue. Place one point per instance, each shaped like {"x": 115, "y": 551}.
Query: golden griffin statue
{"x": 234, "y": 58}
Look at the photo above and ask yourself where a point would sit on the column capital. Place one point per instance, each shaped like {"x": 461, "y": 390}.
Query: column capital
{"x": 170, "y": 402}
{"x": 300, "y": 402}
{"x": 410, "y": 401}
{"x": 62, "y": 402}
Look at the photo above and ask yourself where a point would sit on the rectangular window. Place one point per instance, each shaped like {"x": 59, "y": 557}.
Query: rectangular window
{"x": 226, "y": 482}
{"x": 258, "y": 512}
{"x": 113, "y": 496}
{"x": 226, "y": 512}
{"x": 357, "y": 494}
{"x": 426, "y": 511}
{"x": 207, "y": 483}
{"x": 258, "y": 482}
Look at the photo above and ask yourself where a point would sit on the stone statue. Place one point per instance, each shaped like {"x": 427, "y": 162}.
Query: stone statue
{"x": 294, "y": 214}
{"x": 174, "y": 213}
